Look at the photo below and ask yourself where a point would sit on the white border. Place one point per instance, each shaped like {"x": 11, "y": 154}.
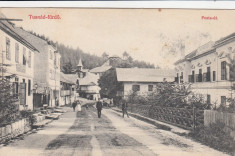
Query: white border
{"x": 124, "y": 4}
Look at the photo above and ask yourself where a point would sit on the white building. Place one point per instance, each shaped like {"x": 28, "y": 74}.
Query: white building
{"x": 46, "y": 72}
{"x": 206, "y": 68}
{"x": 142, "y": 80}
{"x": 16, "y": 52}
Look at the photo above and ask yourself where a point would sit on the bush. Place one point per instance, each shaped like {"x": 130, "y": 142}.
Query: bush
{"x": 215, "y": 136}
{"x": 28, "y": 114}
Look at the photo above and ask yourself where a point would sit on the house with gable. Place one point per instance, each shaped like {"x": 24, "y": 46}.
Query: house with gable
{"x": 206, "y": 68}
{"x": 17, "y": 56}
{"x": 46, "y": 72}
{"x": 142, "y": 80}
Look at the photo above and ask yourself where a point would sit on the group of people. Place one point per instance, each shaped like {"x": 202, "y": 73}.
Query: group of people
{"x": 99, "y": 106}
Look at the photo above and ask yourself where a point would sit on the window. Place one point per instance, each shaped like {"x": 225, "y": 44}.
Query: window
{"x": 208, "y": 74}
{"x": 208, "y": 99}
{"x": 214, "y": 76}
{"x": 181, "y": 77}
{"x": 29, "y": 59}
{"x": 17, "y": 53}
{"x": 51, "y": 55}
{"x": 29, "y": 87}
{"x": 223, "y": 70}
{"x": 223, "y": 100}
{"x": 136, "y": 87}
{"x": 8, "y": 51}
{"x": 24, "y": 56}
{"x": 150, "y": 87}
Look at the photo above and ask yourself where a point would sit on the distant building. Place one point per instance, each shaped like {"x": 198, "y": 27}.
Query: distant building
{"x": 18, "y": 54}
{"x": 88, "y": 87}
{"x": 142, "y": 80}
{"x": 46, "y": 71}
{"x": 67, "y": 88}
{"x": 206, "y": 68}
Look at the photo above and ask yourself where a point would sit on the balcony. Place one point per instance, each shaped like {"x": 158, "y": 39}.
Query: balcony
{"x": 207, "y": 77}
{"x": 191, "y": 78}
{"x": 198, "y": 77}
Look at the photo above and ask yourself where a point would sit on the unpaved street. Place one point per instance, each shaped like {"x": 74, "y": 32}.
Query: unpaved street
{"x": 84, "y": 134}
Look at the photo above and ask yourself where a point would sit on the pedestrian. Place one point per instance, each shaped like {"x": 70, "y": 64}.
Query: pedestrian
{"x": 74, "y": 106}
{"x": 124, "y": 109}
{"x": 79, "y": 108}
{"x": 99, "y": 107}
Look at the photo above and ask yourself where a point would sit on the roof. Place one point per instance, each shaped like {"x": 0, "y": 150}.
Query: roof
{"x": 225, "y": 40}
{"x": 144, "y": 74}
{"x": 89, "y": 80}
{"x": 80, "y": 63}
{"x": 12, "y": 31}
{"x": 68, "y": 78}
{"x": 200, "y": 51}
{"x": 34, "y": 40}
{"x": 100, "y": 69}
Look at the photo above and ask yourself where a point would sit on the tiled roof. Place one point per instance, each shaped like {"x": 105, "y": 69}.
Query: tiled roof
{"x": 34, "y": 40}
{"x": 89, "y": 80}
{"x": 12, "y": 31}
{"x": 68, "y": 78}
{"x": 144, "y": 74}
{"x": 100, "y": 69}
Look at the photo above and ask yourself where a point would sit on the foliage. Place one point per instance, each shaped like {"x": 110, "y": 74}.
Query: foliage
{"x": 109, "y": 84}
{"x": 170, "y": 95}
{"x": 230, "y": 108}
{"x": 134, "y": 98}
{"x": 198, "y": 101}
{"x": 28, "y": 114}
{"x": 8, "y": 106}
{"x": 67, "y": 68}
{"x": 215, "y": 136}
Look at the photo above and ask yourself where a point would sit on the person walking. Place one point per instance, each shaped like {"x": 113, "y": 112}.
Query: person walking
{"x": 124, "y": 109}
{"x": 74, "y": 105}
{"x": 99, "y": 107}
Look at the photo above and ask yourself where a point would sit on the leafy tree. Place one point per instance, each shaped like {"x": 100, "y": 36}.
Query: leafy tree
{"x": 67, "y": 68}
{"x": 125, "y": 55}
{"x": 8, "y": 106}
{"x": 105, "y": 56}
{"x": 109, "y": 84}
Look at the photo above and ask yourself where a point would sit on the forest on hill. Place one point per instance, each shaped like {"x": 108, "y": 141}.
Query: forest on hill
{"x": 71, "y": 56}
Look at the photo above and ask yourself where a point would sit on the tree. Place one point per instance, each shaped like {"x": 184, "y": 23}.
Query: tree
{"x": 109, "y": 84}
{"x": 8, "y": 106}
{"x": 67, "y": 68}
{"x": 105, "y": 56}
{"x": 125, "y": 55}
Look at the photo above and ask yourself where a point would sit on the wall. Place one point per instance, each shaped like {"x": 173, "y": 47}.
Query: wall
{"x": 143, "y": 87}
{"x": 21, "y": 71}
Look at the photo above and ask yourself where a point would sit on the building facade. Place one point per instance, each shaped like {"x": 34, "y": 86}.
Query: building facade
{"x": 141, "y": 80}
{"x": 18, "y": 55}
{"x": 46, "y": 71}
{"x": 207, "y": 69}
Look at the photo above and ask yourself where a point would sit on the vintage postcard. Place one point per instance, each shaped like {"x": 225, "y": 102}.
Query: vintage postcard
{"x": 128, "y": 82}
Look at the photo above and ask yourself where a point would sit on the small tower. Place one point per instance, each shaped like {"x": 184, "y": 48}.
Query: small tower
{"x": 79, "y": 66}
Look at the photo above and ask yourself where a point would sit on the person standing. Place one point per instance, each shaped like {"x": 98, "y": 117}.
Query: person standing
{"x": 124, "y": 109}
{"x": 74, "y": 105}
{"x": 79, "y": 108}
{"x": 99, "y": 108}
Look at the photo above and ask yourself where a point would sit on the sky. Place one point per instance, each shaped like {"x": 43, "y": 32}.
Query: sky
{"x": 158, "y": 36}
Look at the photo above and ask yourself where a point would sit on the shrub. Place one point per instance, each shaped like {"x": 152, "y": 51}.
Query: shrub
{"x": 28, "y": 114}
{"x": 215, "y": 136}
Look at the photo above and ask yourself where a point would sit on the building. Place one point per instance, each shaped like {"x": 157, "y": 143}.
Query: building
{"x": 18, "y": 54}
{"x": 206, "y": 68}
{"x": 67, "y": 88}
{"x": 46, "y": 71}
{"x": 88, "y": 87}
{"x": 142, "y": 80}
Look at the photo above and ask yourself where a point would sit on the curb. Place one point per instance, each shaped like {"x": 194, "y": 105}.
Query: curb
{"x": 158, "y": 124}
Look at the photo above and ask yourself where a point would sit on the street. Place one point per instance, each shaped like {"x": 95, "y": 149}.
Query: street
{"x": 85, "y": 134}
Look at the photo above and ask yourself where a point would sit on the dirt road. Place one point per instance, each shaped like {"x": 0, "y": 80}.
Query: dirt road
{"x": 84, "y": 134}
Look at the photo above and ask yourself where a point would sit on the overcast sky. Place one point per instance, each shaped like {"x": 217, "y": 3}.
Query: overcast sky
{"x": 146, "y": 34}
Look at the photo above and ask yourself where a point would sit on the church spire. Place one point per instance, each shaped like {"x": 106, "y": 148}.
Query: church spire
{"x": 80, "y": 66}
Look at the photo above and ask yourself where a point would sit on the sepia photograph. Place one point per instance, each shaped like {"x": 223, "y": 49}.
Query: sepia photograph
{"x": 117, "y": 82}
